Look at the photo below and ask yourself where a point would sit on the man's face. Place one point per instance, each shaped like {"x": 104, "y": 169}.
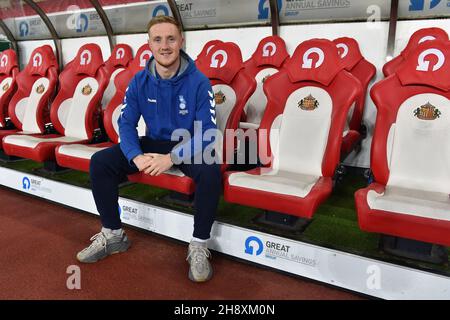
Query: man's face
{"x": 165, "y": 41}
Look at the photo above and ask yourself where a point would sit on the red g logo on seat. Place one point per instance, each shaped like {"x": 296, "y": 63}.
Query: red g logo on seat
{"x": 3, "y": 61}
{"x": 308, "y": 61}
{"x": 120, "y": 53}
{"x": 342, "y": 49}
{"x": 267, "y": 52}
{"x": 215, "y": 60}
{"x": 85, "y": 57}
{"x": 145, "y": 56}
{"x": 424, "y": 65}
{"x": 37, "y": 60}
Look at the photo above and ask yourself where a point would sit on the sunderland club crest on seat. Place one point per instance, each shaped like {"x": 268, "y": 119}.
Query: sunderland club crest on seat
{"x": 308, "y": 103}
{"x": 40, "y": 89}
{"x": 86, "y": 90}
{"x": 219, "y": 97}
{"x": 427, "y": 112}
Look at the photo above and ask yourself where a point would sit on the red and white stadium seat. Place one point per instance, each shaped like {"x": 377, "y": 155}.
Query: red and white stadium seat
{"x": 308, "y": 103}
{"x": 36, "y": 84}
{"x": 232, "y": 87}
{"x": 78, "y": 156}
{"x": 9, "y": 68}
{"x": 364, "y": 71}
{"x": 416, "y": 38}
{"x": 268, "y": 59}
{"x": 74, "y": 112}
{"x": 410, "y": 158}
{"x": 117, "y": 62}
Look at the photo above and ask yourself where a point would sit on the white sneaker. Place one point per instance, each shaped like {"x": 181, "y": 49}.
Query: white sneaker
{"x": 103, "y": 245}
{"x": 200, "y": 268}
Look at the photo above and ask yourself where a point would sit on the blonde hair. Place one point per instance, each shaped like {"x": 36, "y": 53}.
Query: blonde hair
{"x": 164, "y": 19}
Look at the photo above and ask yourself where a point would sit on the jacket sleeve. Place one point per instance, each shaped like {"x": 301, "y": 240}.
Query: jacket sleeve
{"x": 205, "y": 114}
{"x": 128, "y": 120}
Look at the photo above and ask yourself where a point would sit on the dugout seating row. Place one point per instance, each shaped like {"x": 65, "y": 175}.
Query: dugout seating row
{"x": 73, "y": 113}
{"x": 327, "y": 81}
{"x": 312, "y": 99}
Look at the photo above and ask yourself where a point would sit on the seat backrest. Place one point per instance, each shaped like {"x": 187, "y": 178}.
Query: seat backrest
{"x": 9, "y": 68}
{"x": 122, "y": 80}
{"x": 308, "y": 101}
{"x": 36, "y": 85}
{"x": 425, "y": 34}
{"x": 232, "y": 86}
{"x": 77, "y": 105}
{"x": 410, "y": 146}
{"x": 205, "y": 50}
{"x": 117, "y": 62}
{"x": 363, "y": 70}
{"x": 268, "y": 59}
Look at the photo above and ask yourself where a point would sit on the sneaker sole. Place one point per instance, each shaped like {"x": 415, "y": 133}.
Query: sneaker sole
{"x": 102, "y": 255}
{"x": 191, "y": 277}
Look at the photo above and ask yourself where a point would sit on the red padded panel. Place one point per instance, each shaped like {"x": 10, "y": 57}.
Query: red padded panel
{"x": 271, "y": 51}
{"x": 42, "y": 63}
{"x": 8, "y": 61}
{"x": 416, "y": 38}
{"x": 222, "y": 62}
{"x": 166, "y": 181}
{"x": 41, "y": 60}
{"x": 120, "y": 56}
{"x": 388, "y": 104}
{"x": 359, "y": 67}
{"x": 72, "y": 75}
{"x": 317, "y": 60}
{"x": 400, "y": 225}
{"x": 121, "y": 81}
{"x": 364, "y": 71}
{"x": 258, "y": 61}
{"x": 349, "y": 52}
{"x": 428, "y": 64}
{"x": 88, "y": 60}
{"x": 206, "y": 48}
{"x": 8, "y": 68}
{"x": 349, "y": 142}
{"x": 140, "y": 59}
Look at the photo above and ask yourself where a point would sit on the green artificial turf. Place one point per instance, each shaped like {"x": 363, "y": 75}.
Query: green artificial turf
{"x": 334, "y": 225}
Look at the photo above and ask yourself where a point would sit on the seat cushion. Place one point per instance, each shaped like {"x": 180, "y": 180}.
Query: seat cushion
{"x": 420, "y": 203}
{"x": 4, "y": 133}
{"x": 81, "y": 151}
{"x": 32, "y": 141}
{"x": 422, "y": 228}
{"x": 38, "y": 147}
{"x": 282, "y": 182}
{"x": 277, "y": 193}
{"x": 78, "y": 156}
{"x": 172, "y": 179}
